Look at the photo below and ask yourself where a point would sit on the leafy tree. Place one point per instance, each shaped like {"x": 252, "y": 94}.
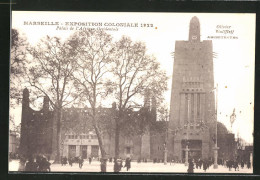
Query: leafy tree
{"x": 134, "y": 71}
{"x": 17, "y": 63}
{"x": 94, "y": 49}
{"x": 49, "y": 72}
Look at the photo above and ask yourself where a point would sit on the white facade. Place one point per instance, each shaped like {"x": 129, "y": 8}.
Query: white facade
{"x": 85, "y": 145}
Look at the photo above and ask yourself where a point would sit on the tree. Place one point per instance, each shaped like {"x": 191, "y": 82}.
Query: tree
{"x": 13, "y": 127}
{"x": 94, "y": 48}
{"x": 134, "y": 71}
{"x": 17, "y": 62}
{"x": 50, "y": 72}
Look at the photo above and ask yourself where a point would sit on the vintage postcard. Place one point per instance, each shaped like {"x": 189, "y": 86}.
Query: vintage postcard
{"x": 132, "y": 92}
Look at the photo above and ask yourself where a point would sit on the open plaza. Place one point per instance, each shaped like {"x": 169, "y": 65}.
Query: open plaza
{"x": 148, "y": 167}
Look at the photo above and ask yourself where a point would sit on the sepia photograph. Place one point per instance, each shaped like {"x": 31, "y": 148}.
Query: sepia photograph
{"x": 131, "y": 92}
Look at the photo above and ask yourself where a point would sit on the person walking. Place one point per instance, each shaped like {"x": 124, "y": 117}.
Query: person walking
{"x": 38, "y": 159}
{"x": 236, "y": 165}
{"x": 103, "y": 165}
{"x": 116, "y": 165}
{"x": 120, "y": 163}
{"x": 197, "y": 163}
{"x": 31, "y": 165}
{"x": 44, "y": 165}
{"x": 22, "y": 164}
{"x": 248, "y": 164}
{"x": 89, "y": 160}
{"x": 70, "y": 161}
{"x": 80, "y": 162}
{"x": 204, "y": 164}
{"x": 65, "y": 160}
{"x": 128, "y": 163}
{"x": 190, "y": 166}
{"x": 200, "y": 163}
{"x": 242, "y": 164}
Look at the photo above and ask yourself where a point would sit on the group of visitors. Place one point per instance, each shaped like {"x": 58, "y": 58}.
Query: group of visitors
{"x": 40, "y": 164}
{"x": 139, "y": 160}
{"x": 199, "y": 163}
{"x": 13, "y": 155}
{"x": 157, "y": 160}
{"x": 118, "y": 164}
{"x": 235, "y": 164}
{"x": 206, "y": 163}
{"x": 72, "y": 160}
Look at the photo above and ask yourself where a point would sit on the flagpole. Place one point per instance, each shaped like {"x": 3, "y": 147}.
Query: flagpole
{"x": 217, "y": 116}
{"x": 215, "y": 149}
{"x": 187, "y": 141}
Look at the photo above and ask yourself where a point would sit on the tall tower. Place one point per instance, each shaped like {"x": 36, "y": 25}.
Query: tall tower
{"x": 192, "y": 101}
{"x": 24, "y": 139}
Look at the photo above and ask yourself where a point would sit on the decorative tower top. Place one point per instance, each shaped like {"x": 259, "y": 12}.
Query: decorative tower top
{"x": 147, "y": 99}
{"x": 26, "y": 93}
{"x": 46, "y": 103}
{"x": 194, "y": 34}
{"x": 26, "y": 97}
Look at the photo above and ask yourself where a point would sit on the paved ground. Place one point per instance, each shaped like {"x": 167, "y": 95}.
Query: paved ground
{"x": 135, "y": 167}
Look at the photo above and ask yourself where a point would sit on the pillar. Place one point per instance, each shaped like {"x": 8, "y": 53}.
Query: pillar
{"x": 189, "y": 108}
{"x": 78, "y": 150}
{"x": 202, "y": 106}
{"x": 182, "y": 110}
{"x": 89, "y": 150}
{"x": 65, "y": 150}
{"x": 165, "y": 156}
{"x": 251, "y": 159}
{"x": 186, "y": 155}
{"x": 185, "y": 108}
{"x": 177, "y": 149}
{"x": 215, "y": 149}
{"x": 195, "y": 108}
{"x": 192, "y": 108}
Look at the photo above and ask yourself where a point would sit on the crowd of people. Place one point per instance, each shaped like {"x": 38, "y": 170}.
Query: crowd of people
{"x": 41, "y": 163}
{"x": 13, "y": 155}
{"x": 235, "y": 164}
{"x": 38, "y": 164}
{"x": 207, "y": 163}
{"x": 118, "y": 164}
{"x": 71, "y": 160}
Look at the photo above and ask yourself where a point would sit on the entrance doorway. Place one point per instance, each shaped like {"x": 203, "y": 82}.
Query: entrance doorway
{"x": 94, "y": 151}
{"x": 84, "y": 151}
{"x": 72, "y": 151}
{"x": 195, "y": 149}
{"x": 195, "y": 154}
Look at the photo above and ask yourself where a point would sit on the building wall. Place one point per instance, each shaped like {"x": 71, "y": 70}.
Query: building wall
{"x": 36, "y": 128}
{"x": 130, "y": 146}
{"x": 39, "y": 130}
{"x": 37, "y": 136}
{"x": 157, "y": 146}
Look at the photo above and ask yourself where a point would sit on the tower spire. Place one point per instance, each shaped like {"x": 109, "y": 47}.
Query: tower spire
{"x": 194, "y": 33}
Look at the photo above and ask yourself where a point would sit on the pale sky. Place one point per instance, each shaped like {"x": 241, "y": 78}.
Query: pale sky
{"x": 233, "y": 67}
